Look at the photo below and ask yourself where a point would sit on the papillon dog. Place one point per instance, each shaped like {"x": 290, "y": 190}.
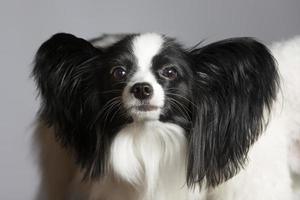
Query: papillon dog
{"x": 140, "y": 117}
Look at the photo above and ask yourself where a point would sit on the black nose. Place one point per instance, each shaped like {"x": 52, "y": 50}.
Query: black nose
{"x": 142, "y": 91}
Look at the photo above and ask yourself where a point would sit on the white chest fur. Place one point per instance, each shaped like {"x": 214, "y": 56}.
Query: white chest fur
{"x": 148, "y": 162}
{"x": 152, "y": 157}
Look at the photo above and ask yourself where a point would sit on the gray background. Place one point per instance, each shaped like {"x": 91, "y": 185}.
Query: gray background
{"x": 24, "y": 24}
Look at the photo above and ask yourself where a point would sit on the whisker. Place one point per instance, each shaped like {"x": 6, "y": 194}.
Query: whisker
{"x": 180, "y": 110}
{"x": 180, "y": 107}
{"x": 106, "y": 105}
{"x": 124, "y": 113}
{"x": 182, "y": 97}
{"x": 106, "y": 114}
{"x": 109, "y": 109}
{"x": 119, "y": 108}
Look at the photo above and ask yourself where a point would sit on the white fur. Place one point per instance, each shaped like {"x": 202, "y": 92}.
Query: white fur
{"x": 288, "y": 58}
{"x": 107, "y": 40}
{"x": 152, "y": 155}
{"x": 145, "y": 47}
{"x": 147, "y": 161}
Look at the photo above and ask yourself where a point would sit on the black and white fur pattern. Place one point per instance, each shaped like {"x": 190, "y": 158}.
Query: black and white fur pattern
{"x": 208, "y": 128}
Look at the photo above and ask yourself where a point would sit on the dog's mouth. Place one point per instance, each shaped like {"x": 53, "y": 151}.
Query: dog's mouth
{"x": 146, "y": 108}
{"x": 145, "y": 112}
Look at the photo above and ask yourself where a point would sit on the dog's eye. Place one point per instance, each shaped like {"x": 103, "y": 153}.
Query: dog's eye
{"x": 118, "y": 73}
{"x": 169, "y": 73}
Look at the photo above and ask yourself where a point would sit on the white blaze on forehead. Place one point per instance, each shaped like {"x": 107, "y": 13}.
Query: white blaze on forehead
{"x": 145, "y": 47}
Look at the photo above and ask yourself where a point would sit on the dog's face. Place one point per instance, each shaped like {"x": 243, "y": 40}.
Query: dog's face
{"x": 147, "y": 77}
{"x": 217, "y": 94}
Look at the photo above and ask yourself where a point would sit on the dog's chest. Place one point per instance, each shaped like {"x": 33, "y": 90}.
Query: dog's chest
{"x": 148, "y": 162}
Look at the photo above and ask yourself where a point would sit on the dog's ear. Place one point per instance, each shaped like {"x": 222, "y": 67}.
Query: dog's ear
{"x": 64, "y": 69}
{"x": 235, "y": 84}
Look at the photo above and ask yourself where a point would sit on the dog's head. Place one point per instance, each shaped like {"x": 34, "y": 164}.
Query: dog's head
{"x": 217, "y": 93}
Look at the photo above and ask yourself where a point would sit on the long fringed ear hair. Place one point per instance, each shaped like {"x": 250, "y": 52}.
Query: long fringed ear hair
{"x": 65, "y": 71}
{"x": 235, "y": 83}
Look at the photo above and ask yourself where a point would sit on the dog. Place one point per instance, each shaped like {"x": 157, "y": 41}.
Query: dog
{"x": 140, "y": 117}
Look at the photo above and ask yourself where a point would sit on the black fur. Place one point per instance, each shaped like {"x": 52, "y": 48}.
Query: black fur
{"x": 70, "y": 74}
{"x": 236, "y": 82}
{"x": 219, "y": 98}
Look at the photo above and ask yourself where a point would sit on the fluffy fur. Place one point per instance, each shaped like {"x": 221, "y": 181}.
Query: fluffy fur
{"x": 140, "y": 117}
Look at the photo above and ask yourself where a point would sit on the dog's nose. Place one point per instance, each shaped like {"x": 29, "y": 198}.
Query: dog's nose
{"x": 142, "y": 91}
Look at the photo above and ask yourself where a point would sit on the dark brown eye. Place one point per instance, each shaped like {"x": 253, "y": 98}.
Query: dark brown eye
{"x": 118, "y": 73}
{"x": 169, "y": 73}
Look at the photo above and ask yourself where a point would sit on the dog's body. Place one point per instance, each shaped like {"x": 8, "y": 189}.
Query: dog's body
{"x": 160, "y": 158}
